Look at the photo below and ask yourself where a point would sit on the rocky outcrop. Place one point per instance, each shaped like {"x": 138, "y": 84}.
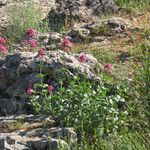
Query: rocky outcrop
{"x": 18, "y": 72}
{"x": 34, "y": 133}
{"x": 96, "y": 31}
{"x": 67, "y": 12}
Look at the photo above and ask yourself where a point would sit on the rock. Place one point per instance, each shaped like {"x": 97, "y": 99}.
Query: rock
{"x": 55, "y": 38}
{"x": 21, "y": 70}
{"x": 108, "y": 27}
{"x": 2, "y": 140}
{"x": 19, "y": 132}
{"x": 124, "y": 56}
{"x": 42, "y": 36}
{"x": 3, "y": 2}
{"x": 67, "y": 12}
{"x": 98, "y": 39}
{"x": 10, "y": 106}
{"x": 4, "y": 81}
{"x": 79, "y": 35}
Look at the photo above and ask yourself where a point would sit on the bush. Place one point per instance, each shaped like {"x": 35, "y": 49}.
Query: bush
{"x": 82, "y": 105}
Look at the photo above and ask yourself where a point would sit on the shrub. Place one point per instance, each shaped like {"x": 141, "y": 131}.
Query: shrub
{"x": 82, "y": 105}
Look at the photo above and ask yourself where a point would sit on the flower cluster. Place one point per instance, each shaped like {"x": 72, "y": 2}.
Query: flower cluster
{"x": 50, "y": 89}
{"x": 3, "y": 49}
{"x": 82, "y": 58}
{"x": 30, "y": 33}
{"x": 29, "y": 38}
{"x": 41, "y": 52}
{"x": 107, "y": 68}
{"x": 66, "y": 45}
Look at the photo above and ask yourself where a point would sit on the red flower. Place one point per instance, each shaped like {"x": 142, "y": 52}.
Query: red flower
{"x": 30, "y": 32}
{"x": 3, "y": 49}
{"x": 107, "y": 68}
{"x": 29, "y": 91}
{"x": 66, "y": 44}
{"x": 82, "y": 58}
{"x": 41, "y": 52}
{"x": 32, "y": 43}
{"x": 50, "y": 89}
{"x": 2, "y": 41}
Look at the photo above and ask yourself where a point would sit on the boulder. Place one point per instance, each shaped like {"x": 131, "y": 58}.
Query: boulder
{"x": 67, "y": 12}
{"x": 108, "y": 27}
{"x": 79, "y": 35}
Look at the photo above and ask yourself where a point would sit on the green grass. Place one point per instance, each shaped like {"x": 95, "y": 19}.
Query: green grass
{"x": 134, "y": 5}
{"x": 20, "y": 19}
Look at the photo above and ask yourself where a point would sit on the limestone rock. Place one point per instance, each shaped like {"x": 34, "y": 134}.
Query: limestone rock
{"x": 67, "y": 12}
{"x": 79, "y": 35}
{"x": 108, "y": 27}
{"x": 55, "y": 38}
{"x": 20, "y": 133}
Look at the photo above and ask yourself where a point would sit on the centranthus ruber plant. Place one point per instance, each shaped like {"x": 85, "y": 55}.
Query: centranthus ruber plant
{"x": 82, "y": 58}
{"x": 2, "y": 41}
{"x": 107, "y": 68}
{"x": 30, "y": 40}
{"x": 41, "y": 92}
{"x": 66, "y": 45}
{"x": 3, "y": 49}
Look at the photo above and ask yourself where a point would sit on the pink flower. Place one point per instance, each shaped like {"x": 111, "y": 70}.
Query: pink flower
{"x": 41, "y": 52}
{"x": 30, "y": 32}
{"x": 29, "y": 91}
{"x": 32, "y": 43}
{"x": 107, "y": 68}
{"x": 82, "y": 58}
{"x": 2, "y": 41}
{"x": 3, "y": 49}
{"x": 66, "y": 44}
{"x": 50, "y": 89}
{"x": 23, "y": 42}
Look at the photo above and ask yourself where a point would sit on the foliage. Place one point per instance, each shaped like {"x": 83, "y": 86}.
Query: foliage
{"x": 100, "y": 30}
{"x": 134, "y": 5}
{"x": 125, "y": 141}
{"x": 83, "y": 105}
{"x": 140, "y": 90}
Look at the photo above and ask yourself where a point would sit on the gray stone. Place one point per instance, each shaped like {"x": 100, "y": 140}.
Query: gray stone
{"x": 55, "y": 38}
{"x": 79, "y": 35}
{"x": 2, "y": 141}
{"x": 24, "y": 133}
{"x": 67, "y": 12}
{"x": 107, "y": 27}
